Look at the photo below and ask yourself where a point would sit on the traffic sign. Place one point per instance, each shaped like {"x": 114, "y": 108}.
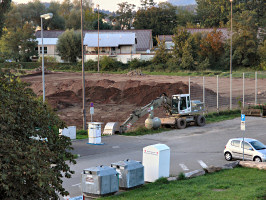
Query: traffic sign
{"x": 243, "y": 126}
{"x": 91, "y": 110}
{"x": 243, "y": 117}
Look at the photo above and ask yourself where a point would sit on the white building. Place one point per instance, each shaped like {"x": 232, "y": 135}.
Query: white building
{"x": 122, "y": 45}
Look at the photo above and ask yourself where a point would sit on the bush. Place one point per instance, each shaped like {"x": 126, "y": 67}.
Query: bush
{"x": 47, "y": 59}
{"x": 89, "y": 65}
{"x": 20, "y": 65}
{"x": 137, "y": 63}
{"x": 110, "y": 64}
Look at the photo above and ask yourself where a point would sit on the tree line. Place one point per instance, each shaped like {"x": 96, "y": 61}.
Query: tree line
{"x": 20, "y": 21}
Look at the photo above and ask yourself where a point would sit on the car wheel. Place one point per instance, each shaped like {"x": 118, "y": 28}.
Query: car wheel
{"x": 257, "y": 159}
{"x": 200, "y": 120}
{"x": 228, "y": 156}
{"x": 181, "y": 123}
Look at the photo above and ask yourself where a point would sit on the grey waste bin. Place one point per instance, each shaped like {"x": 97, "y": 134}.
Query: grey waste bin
{"x": 100, "y": 180}
{"x": 131, "y": 173}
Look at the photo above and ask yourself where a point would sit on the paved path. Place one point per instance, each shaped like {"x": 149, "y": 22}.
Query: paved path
{"x": 191, "y": 148}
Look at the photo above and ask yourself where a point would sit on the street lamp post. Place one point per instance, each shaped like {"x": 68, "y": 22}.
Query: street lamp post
{"x": 98, "y": 40}
{"x": 45, "y": 16}
{"x": 231, "y": 44}
{"x": 83, "y": 70}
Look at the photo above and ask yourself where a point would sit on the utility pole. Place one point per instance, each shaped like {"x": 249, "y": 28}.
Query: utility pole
{"x": 83, "y": 73}
{"x": 231, "y": 44}
{"x": 98, "y": 40}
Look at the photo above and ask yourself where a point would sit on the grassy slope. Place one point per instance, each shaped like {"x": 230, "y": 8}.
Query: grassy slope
{"x": 239, "y": 183}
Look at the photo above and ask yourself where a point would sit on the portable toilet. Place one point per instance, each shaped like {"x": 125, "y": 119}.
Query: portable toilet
{"x": 156, "y": 162}
{"x": 131, "y": 173}
{"x": 99, "y": 181}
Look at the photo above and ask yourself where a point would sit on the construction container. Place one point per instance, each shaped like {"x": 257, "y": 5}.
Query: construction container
{"x": 131, "y": 173}
{"x": 101, "y": 180}
{"x": 94, "y": 132}
{"x": 156, "y": 162}
{"x": 111, "y": 128}
{"x": 70, "y": 132}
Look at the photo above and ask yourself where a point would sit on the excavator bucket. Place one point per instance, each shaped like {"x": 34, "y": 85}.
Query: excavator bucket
{"x": 111, "y": 128}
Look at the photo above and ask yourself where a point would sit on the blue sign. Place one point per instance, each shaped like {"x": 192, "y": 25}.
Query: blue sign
{"x": 243, "y": 117}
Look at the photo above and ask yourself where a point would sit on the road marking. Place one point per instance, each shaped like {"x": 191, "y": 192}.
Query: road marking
{"x": 76, "y": 185}
{"x": 183, "y": 166}
{"x": 115, "y": 147}
{"x": 204, "y": 166}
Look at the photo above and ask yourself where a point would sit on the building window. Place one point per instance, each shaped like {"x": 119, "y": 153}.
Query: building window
{"x": 45, "y": 50}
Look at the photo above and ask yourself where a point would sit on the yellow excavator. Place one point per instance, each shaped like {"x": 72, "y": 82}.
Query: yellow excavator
{"x": 179, "y": 108}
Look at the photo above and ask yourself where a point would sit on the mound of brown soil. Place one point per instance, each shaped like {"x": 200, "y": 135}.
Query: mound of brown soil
{"x": 113, "y": 100}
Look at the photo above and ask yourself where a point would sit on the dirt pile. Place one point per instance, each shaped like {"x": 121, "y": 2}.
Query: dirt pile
{"x": 114, "y": 100}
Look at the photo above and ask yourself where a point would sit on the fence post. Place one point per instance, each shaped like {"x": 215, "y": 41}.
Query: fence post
{"x": 256, "y": 87}
{"x": 218, "y": 93}
{"x": 230, "y": 91}
{"x": 243, "y": 91}
{"x": 203, "y": 87}
{"x": 189, "y": 86}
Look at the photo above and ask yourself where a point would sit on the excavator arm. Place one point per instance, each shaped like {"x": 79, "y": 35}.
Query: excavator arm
{"x": 140, "y": 112}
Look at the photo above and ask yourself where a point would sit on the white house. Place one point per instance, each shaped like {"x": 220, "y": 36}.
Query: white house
{"x": 122, "y": 45}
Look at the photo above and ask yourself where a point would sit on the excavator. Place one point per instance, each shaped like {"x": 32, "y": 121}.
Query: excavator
{"x": 179, "y": 108}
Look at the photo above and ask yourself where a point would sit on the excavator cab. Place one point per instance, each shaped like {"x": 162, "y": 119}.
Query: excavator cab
{"x": 181, "y": 104}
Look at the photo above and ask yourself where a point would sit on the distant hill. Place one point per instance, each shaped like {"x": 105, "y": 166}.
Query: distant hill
{"x": 182, "y": 2}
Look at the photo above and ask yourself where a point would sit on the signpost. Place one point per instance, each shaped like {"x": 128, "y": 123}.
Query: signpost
{"x": 243, "y": 128}
{"x": 91, "y": 110}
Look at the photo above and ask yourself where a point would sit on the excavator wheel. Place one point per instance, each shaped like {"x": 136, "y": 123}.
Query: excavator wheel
{"x": 200, "y": 120}
{"x": 181, "y": 123}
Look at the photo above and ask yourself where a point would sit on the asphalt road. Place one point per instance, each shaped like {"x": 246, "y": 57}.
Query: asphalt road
{"x": 190, "y": 149}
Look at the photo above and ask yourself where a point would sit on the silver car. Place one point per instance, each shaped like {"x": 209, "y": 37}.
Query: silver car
{"x": 253, "y": 150}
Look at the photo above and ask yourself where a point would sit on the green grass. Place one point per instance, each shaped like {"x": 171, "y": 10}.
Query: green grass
{"x": 222, "y": 115}
{"x": 236, "y": 184}
{"x": 144, "y": 131}
{"x": 81, "y": 134}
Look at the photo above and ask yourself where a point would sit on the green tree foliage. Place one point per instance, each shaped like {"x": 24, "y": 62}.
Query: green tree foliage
{"x": 30, "y": 168}
{"x": 179, "y": 38}
{"x": 213, "y": 13}
{"x": 161, "y": 54}
{"x": 69, "y": 45}
{"x": 22, "y": 14}
{"x": 245, "y": 41}
{"x": 125, "y": 15}
{"x": 161, "y": 19}
{"x": 187, "y": 60}
{"x": 102, "y": 26}
{"x": 57, "y": 22}
{"x": 4, "y": 7}
{"x": 262, "y": 55}
{"x": 20, "y": 44}
{"x": 74, "y": 20}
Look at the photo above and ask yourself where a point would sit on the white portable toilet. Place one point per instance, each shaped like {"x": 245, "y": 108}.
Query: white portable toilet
{"x": 70, "y": 131}
{"x": 156, "y": 162}
{"x": 94, "y": 132}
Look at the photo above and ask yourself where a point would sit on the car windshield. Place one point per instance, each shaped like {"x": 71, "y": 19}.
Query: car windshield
{"x": 258, "y": 145}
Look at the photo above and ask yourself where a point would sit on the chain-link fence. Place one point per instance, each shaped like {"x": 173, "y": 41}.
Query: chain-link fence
{"x": 224, "y": 93}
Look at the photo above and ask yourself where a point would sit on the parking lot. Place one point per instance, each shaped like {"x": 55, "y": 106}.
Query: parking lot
{"x": 190, "y": 149}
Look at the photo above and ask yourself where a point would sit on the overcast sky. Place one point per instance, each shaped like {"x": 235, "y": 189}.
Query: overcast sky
{"x": 104, "y": 4}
